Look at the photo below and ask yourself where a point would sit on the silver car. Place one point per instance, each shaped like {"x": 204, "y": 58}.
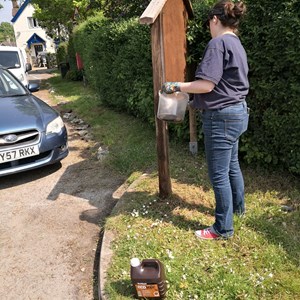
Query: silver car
{"x": 32, "y": 134}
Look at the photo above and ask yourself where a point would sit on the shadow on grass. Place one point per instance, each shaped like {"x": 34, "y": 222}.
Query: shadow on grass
{"x": 170, "y": 205}
{"x": 163, "y": 209}
{"x": 283, "y": 183}
{"x": 281, "y": 232}
{"x": 123, "y": 288}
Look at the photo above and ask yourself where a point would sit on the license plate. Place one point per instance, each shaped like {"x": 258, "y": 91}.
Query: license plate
{"x": 20, "y": 153}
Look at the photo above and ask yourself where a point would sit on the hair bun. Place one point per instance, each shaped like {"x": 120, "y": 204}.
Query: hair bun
{"x": 234, "y": 10}
{"x": 228, "y": 12}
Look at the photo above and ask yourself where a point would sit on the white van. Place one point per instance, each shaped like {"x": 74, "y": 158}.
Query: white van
{"x": 14, "y": 59}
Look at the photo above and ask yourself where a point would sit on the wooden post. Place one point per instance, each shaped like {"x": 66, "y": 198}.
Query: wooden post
{"x": 168, "y": 20}
{"x": 162, "y": 133}
{"x": 193, "y": 146}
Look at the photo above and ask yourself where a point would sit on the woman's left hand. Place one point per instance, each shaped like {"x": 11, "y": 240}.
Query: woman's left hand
{"x": 170, "y": 87}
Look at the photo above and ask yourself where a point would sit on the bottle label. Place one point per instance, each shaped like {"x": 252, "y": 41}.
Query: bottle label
{"x": 147, "y": 290}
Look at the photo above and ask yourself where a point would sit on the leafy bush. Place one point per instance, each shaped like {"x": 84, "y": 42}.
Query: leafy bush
{"x": 51, "y": 60}
{"x": 72, "y": 56}
{"x": 83, "y": 44}
{"x": 74, "y": 75}
{"x": 121, "y": 9}
{"x": 117, "y": 62}
{"x": 62, "y": 53}
{"x": 270, "y": 34}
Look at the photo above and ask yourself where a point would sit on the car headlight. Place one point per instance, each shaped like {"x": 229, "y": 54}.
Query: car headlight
{"x": 55, "y": 126}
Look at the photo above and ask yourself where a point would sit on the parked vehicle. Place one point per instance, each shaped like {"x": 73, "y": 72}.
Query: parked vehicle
{"x": 32, "y": 134}
{"x": 14, "y": 59}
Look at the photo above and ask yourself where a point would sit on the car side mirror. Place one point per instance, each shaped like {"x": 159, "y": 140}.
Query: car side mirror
{"x": 28, "y": 67}
{"x": 33, "y": 87}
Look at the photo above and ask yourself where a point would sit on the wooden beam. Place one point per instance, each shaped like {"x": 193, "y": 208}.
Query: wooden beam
{"x": 152, "y": 11}
{"x": 162, "y": 133}
{"x": 174, "y": 40}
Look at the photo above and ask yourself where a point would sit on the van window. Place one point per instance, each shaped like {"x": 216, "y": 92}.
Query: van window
{"x": 10, "y": 59}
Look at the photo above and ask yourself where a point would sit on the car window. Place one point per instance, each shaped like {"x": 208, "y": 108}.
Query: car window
{"x": 9, "y": 86}
{"x": 10, "y": 59}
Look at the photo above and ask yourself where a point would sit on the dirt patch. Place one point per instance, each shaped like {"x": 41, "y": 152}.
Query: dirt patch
{"x": 50, "y": 224}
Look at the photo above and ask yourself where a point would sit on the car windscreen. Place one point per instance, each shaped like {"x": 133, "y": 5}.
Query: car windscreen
{"x": 10, "y": 86}
{"x": 10, "y": 59}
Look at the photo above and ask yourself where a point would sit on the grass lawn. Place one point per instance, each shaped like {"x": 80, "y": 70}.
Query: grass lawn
{"x": 261, "y": 261}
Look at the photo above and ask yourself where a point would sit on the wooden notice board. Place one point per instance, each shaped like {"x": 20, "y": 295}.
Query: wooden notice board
{"x": 168, "y": 20}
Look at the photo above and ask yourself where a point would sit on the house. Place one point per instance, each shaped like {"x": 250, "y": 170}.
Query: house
{"x": 29, "y": 35}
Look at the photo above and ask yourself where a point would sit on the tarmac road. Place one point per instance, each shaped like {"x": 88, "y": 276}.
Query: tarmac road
{"x": 49, "y": 224}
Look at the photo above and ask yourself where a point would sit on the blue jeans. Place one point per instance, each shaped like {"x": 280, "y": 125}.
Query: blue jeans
{"x": 222, "y": 129}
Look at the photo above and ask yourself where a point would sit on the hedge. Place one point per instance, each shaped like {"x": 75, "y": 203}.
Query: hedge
{"x": 117, "y": 59}
{"x": 117, "y": 62}
{"x": 270, "y": 34}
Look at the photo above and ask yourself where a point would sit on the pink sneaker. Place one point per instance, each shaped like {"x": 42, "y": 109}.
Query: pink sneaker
{"x": 207, "y": 234}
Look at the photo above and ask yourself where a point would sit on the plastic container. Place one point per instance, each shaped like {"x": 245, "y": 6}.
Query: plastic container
{"x": 172, "y": 107}
{"x": 148, "y": 278}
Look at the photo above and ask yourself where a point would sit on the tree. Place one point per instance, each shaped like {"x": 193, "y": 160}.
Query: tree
{"x": 120, "y": 9}
{"x": 55, "y": 16}
{"x": 58, "y": 17}
{"x": 7, "y": 35}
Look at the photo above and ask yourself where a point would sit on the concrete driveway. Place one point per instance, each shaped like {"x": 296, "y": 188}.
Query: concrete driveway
{"x": 50, "y": 223}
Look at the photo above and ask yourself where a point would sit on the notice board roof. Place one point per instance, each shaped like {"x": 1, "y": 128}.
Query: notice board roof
{"x": 155, "y": 7}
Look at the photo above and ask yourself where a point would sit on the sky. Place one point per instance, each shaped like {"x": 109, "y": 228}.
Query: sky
{"x": 5, "y": 12}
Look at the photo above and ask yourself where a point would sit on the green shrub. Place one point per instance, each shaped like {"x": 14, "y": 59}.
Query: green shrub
{"x": 270, "y": 34}
{"x": 83, "y": 41}
{"x": 51, "y": 60}
{"x": 117, "y": 63}
{"x": 121, "y": 9}
{"x": 72, "y": 56}
{"x": 62, "y": 53}
{"x": 74, "y": 75}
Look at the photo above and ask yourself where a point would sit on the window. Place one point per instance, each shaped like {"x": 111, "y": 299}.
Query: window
{"x": 9, "y": 86}
{"x": 32, "y": 22}
{"x": 9, "y": 59}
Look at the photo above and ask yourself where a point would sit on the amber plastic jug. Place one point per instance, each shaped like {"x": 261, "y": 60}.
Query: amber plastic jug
{"x": 148, "y": 278}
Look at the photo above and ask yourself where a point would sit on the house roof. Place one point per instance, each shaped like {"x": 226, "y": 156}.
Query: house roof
{"x": 34, "y": 39}
{"x": 19, "y": 12}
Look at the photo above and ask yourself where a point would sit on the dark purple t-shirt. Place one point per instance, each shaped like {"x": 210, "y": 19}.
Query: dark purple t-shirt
{"x": 225, "y": 64}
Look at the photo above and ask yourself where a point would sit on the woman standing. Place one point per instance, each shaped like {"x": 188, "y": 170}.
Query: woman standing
{"x": 220, "y": 90}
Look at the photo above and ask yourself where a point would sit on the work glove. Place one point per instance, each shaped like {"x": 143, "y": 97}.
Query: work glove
{"x": 170, "y": 87}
